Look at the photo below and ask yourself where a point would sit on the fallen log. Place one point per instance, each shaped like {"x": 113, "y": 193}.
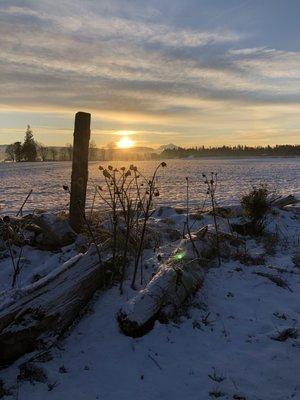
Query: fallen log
{"x": 173, "y": 283}
{"x": 176, "y": 280}
{"x": 33, "y": 317}
{"x": 285, "y": 201}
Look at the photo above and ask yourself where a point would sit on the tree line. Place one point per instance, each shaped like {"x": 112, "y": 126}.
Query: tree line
{"x": 227, "y": 151}
{"x": 31, "y": 150}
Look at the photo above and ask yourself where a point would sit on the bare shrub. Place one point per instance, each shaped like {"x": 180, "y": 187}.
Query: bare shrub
{"x": 13, "y": 234}
{"x": 129, "y": 197}
{"x": 211, "y": 184}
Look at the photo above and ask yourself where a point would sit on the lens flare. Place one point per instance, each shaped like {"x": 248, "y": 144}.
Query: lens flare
{"x": 179, "y": 256}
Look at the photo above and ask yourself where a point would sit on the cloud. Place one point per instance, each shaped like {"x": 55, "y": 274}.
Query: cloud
{"x": 131, "y": 66}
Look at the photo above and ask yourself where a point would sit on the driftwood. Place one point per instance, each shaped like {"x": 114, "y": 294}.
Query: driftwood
{"x": 33, "y": 317}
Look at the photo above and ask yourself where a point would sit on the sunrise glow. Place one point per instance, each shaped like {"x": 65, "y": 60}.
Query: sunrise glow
{"x": 125, "y": 143}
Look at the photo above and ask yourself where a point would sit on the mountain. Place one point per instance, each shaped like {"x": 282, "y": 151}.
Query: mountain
{"x": 169, "y": 146}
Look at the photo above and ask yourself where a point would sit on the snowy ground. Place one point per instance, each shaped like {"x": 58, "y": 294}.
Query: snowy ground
{"x": 235, "y": 177}
{"x": 222, "y": 347}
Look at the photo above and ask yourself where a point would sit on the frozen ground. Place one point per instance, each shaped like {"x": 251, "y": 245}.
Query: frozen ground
{"x": 222, "y": 347}
{"x": 235, "y": 177}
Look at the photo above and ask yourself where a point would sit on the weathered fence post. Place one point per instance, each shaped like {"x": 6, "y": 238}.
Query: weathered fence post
{"x": 79, "y": 178}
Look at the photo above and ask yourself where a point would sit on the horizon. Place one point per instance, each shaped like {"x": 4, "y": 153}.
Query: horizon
{"x": 210, "y": 72}
{"x": 167, "y": 146}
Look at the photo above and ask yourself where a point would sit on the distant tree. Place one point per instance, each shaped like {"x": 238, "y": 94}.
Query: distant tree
{"x": 43, "y": 151}
{"x": 29, "y": 149}
{"x": 110, "y": 152}
{"x": 10, "y": 152}
{"x": 63, "y": 154}
{"x": 53, "y": 153}
{"x": 18, "y": 151}
{"x": 101, "y": 154}
{"x": 93, "y": 150}
{"x": 239, "y": 150}
{"x": 69, "y": 151}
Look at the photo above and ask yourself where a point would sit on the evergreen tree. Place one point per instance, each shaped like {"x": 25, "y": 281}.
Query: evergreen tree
{"x": 29, "y": 148}
{"x": 17, "y": 146}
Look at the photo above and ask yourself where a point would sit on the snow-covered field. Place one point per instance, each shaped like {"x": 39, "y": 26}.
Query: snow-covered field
{"x": 235, "y": 177}
{"x": 222, "y": 347}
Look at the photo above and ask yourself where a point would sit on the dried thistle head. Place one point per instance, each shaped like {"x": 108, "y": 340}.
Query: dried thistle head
{"x": 6, "y": 219}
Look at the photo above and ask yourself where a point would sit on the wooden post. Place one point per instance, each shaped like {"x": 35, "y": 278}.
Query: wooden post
{"x": 79, "y": 178}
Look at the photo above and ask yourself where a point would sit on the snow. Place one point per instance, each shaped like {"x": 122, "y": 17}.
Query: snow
{"x": 221, "y": 346}
{"x": 235, "y": 177}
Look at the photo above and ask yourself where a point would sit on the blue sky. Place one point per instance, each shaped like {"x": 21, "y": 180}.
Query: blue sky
{"x": 190, "y": 72}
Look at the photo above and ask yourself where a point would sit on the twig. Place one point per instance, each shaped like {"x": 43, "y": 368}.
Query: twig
{"x": 282, "y": 270}
{"x": 275, "y": 279}
{"x": 20, "y": 212}
{"x": 187, "y": 220}
{"x": 155, "y": 362}
{"x": 211, "y": 187}
{"x": 93, "y": 203}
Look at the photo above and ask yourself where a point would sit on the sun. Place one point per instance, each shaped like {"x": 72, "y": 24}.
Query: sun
{"x": 125, "y": 143}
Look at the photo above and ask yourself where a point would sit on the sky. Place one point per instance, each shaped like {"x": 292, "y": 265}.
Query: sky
{"x": 188, "y": 72}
